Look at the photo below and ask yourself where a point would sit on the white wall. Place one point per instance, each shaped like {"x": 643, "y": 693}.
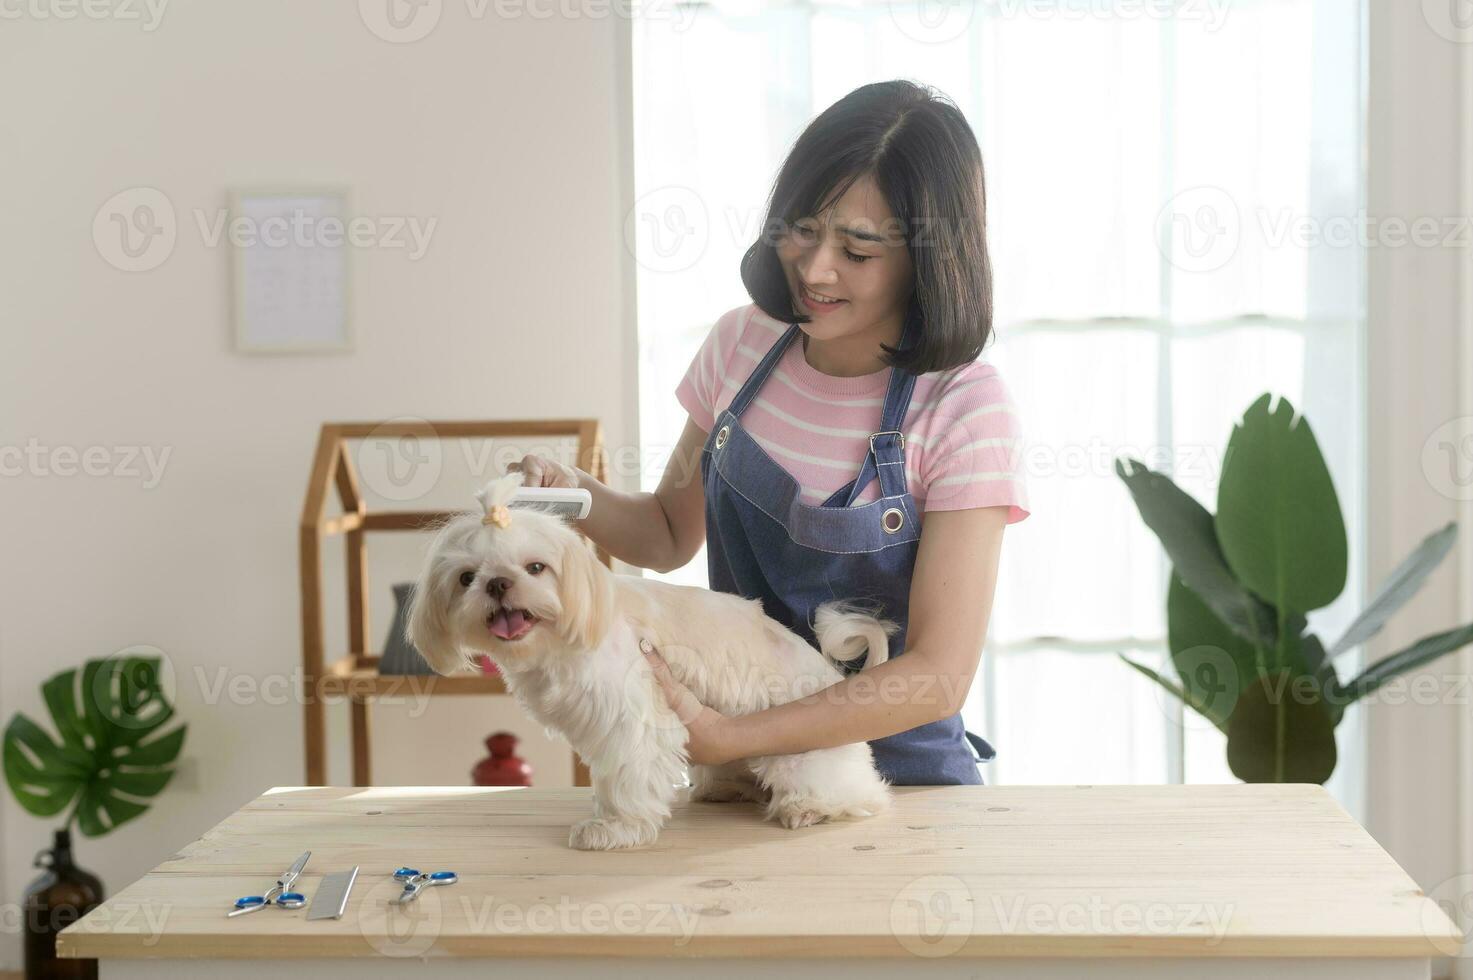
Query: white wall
{"x": 511, "y": 133}
{"x": 1418, "y": 385}
{"x": 1464, "y": 966}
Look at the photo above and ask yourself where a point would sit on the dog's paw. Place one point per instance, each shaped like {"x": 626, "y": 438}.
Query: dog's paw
{"x": 795, "y": 815}
{"x": 599, "y": 834}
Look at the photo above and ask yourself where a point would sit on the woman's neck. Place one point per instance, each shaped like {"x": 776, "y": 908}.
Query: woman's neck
{"x": 849, "y": 357}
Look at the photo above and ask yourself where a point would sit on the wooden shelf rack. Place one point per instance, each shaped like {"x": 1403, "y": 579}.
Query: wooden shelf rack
{"x": 355, "y": 676}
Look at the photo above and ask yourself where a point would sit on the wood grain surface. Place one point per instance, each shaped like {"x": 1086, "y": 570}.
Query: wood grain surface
{"x": 972, "y": 871}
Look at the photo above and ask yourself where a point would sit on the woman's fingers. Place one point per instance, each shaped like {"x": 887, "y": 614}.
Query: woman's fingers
{"x": 539, "y": 471}
{"x": 531, "y": 469}
{"x": 687, "y": 706}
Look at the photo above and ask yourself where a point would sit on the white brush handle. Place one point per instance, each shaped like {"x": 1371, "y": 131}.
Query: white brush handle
{"x": 571, "y": 502}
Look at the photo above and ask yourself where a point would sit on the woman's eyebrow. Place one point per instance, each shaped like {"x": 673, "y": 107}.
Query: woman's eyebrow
{"x": 867, "y": 236}
{"x": 852, "y": 232}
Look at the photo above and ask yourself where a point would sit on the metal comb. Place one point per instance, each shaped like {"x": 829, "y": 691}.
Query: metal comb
{"x": 331, "y": 898}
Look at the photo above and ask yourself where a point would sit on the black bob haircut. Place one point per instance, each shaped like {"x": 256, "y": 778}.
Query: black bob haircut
{"x": 923, "y": 157}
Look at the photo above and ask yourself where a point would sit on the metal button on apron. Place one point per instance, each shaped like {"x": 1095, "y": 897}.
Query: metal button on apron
{"x": 892, "y": 520}
{"x": 721, "y": 436}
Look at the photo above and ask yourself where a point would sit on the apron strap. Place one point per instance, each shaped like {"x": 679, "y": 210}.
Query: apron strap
{"x": 885, "y": 458}
{"x": 760, "y": 372}
{"x": 985, "y": 752}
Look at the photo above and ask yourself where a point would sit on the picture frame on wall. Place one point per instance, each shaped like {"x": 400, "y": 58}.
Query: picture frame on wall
{"x": 292, "y": 270}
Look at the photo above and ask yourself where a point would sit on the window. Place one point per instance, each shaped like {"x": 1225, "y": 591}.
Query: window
{"x": 1173, "y": 203}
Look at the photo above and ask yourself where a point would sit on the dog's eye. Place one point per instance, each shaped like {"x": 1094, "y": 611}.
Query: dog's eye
{"x": 466, "y": 578}
{"x": 536, "y": 568}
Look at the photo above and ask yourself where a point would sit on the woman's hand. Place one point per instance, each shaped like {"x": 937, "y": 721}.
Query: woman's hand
{"x": 709, "y": 729}
{"x": 539, "y": 471}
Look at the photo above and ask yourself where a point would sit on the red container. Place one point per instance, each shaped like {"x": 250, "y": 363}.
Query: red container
{"x": 503, "y": 768}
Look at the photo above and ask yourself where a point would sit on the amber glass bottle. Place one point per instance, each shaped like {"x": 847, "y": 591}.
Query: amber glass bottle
{"x": 61, "y": 896}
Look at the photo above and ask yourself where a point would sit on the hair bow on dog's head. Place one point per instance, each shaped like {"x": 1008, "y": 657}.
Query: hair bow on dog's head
{"x": 495, "y": 496}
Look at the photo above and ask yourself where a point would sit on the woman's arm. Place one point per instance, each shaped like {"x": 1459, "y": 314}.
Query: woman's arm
{"x": 950, "y": 604}
{"x": 661, "y": 530}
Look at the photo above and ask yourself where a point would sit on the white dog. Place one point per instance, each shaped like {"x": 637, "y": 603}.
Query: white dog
{"x": 524, "y": 588}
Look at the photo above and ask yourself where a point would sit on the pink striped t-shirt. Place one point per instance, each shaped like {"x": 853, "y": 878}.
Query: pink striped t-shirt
{"x": 963, "y": 442}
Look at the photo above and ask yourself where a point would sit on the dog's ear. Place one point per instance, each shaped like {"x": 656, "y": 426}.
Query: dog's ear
{"x": 427, "y": 627}
{"x": 587, "y": 595}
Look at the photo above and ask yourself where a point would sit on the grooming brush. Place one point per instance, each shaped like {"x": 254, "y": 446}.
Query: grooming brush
{"x": 568, "y": 502}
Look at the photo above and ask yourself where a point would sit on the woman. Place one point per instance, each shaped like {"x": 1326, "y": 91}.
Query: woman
{"x": 872, "y": 303}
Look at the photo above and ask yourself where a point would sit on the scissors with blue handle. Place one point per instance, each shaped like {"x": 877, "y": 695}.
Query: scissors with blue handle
{"x": 278, "y": 894}
{"x": 416, "y": 882}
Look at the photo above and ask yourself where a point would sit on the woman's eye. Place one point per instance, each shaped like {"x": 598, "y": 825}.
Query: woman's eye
{"x": 856, "y": 259}
{"x": 535, "y": 568}
{"x": 466, "y": 578}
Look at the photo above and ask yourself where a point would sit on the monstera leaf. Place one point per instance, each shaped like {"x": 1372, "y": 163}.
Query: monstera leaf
{"x": 112, "y": 754}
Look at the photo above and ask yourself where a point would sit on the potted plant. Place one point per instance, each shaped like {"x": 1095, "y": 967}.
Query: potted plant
{"x": 1244, "y": 579}
{"x": 111, "y": 756}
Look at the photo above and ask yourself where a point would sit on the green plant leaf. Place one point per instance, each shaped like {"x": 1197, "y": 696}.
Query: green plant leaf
{"x": 1185, "y": 530}
{"x": 1317, "y": 664}
{"x": 131, "y": 699}
{"x": 1278, "y": 519}
{"x": 143, "y": 783}
{"x": 42, "y": 780}
{"x": 1399, "y": 586}
{"x": 112, "y": 755}
{"x": 102, "y": 810}
{"x": 1171, "y": 688}
{"x": 1424, "y": 651}
{"x": 159, "y": 752}
{"x": 62, "y": 705}
{"x": 1213, "y": 662}
{"x": 1281, "y": 732}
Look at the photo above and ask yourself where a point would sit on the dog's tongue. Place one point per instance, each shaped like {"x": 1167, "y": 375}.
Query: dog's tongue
{"x": 508, "y": 623}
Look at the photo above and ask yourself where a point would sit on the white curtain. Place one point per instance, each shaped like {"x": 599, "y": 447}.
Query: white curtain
{"x": 1173, "y": 215}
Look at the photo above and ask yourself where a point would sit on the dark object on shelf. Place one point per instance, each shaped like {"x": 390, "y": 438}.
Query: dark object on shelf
{"x": 61, "y": 896}
{"x": 503, "y": 768}
{"x": 400, "y": 656}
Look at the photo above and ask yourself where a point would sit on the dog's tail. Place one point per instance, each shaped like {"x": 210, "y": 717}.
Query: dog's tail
{"x": 846, "y": 630}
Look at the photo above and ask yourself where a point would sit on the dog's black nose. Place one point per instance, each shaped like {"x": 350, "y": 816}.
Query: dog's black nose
{"x": 498, "y": 586}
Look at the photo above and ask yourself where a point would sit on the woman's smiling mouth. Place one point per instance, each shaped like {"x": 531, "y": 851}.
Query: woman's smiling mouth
{"x": 817, "y": 301}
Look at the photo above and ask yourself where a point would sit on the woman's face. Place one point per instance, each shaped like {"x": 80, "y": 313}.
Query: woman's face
{"x": 854, "y": 253}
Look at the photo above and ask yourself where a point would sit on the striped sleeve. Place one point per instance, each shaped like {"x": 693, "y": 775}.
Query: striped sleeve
{"x": 699, "y": 390}
{"x": 978, "y": 460}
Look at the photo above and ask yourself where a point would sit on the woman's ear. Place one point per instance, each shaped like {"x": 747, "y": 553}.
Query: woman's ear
{"x": 587, "y": 595}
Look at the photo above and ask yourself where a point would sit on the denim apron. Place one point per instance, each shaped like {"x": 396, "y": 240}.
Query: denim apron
{"x": 763, "y": 542}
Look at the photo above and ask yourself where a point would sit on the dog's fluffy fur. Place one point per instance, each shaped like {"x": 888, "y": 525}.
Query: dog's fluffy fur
{"x": 572, "y": 660}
